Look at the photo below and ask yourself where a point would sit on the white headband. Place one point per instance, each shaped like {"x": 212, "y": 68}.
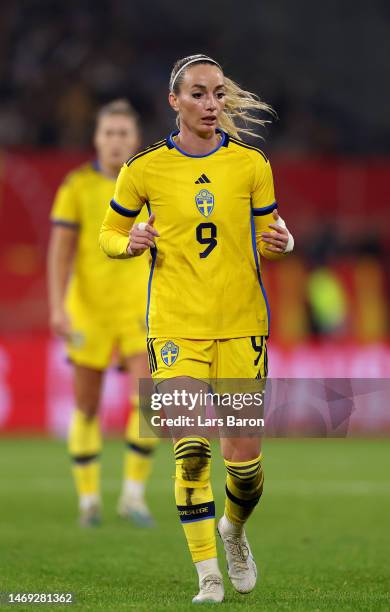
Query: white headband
{"x": 197, "y": 59}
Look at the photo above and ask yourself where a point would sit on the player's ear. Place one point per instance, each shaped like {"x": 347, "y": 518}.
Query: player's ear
{"x": 172, "y": 99}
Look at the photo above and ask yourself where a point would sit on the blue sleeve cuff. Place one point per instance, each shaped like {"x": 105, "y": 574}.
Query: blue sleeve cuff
{"x": 122, "y": 210}
{"x": 259, "y": 212}
{"x": 64, "y": 223}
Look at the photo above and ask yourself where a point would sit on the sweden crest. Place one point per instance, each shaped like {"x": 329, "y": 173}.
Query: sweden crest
{"x": 205, "y": 202}
{"x": 169, "y": 353}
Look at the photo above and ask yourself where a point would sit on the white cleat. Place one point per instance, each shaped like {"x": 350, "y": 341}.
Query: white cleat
{"x": 90, "y": 516}
{"x": 135, "y": 510}
{"x": 210, "y": 590}
{"x": 242, "y": 569}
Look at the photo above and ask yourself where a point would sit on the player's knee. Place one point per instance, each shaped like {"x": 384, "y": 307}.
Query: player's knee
{"x": 238, "y": 452}
{"x": 193, "y": 459}
{"x": 88, "y": 408}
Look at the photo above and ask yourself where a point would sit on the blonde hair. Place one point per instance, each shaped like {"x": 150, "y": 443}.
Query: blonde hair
{"x": 121, "y": 106}
{"x": 238, "y": 102}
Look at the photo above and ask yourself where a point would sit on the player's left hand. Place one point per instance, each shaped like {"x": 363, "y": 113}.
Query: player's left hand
{"x": 277, "y": 240}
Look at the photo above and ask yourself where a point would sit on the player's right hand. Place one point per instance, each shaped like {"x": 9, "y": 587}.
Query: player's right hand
{"x": 59, "y": 323}
{"x": 142, "y": 237}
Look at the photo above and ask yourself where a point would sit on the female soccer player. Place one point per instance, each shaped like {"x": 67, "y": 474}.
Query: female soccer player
{"x": 212, "y": 199}
{"x": 94, "y": 317}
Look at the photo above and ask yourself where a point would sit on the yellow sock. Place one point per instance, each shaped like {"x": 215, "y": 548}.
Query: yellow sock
{"x": 87, "y": 478}
{"x": 84, "y": 443}
{"x": 139, "y": 451}
{"x": 244, "y": 486}
{"x": 194, "y": 497}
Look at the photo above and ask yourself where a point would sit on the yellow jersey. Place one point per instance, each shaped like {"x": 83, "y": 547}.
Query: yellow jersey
{"x": 96, "y": 285}
{"x": 205, "y": 280}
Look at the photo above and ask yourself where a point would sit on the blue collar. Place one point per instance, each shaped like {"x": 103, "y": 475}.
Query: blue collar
{"x": 96, "y": 166}
{"x": 171, "y": 144}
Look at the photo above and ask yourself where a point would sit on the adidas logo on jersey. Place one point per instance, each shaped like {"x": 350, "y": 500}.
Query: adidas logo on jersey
{"x": 202, "y": 179}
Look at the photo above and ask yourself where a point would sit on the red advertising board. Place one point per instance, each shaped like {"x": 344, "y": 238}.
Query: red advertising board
{"x": 36, "y": 382}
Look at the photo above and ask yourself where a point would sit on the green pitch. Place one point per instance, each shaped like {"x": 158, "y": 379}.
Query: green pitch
{"x": 320, "y": 536}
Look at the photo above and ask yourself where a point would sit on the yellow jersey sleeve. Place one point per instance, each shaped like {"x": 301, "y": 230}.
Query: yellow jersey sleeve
{"x": 128, "y": 200}
{"x": 263, "y": 194}
{"x": 65, "y": 209}
{"x": 130, "y": 193}
{"x": 263, "y": 205}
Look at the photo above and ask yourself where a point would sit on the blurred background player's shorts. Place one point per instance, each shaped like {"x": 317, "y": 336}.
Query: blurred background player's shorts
{"x": 93, "y": 341}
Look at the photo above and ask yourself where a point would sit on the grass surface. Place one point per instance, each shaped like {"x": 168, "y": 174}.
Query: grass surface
{"x": 321, "y": 534}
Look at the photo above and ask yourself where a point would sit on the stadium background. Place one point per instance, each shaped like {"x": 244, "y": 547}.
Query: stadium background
{"x": 329, "y": 149}
{"x": 321, "y": 534}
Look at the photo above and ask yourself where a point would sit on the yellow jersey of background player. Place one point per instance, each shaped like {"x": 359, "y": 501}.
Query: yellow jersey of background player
{"x": 101, "y": 315}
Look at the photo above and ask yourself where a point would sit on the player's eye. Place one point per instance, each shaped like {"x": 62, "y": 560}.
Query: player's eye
{"x": 220, "y": 95}
{"x": 196, "y": 95}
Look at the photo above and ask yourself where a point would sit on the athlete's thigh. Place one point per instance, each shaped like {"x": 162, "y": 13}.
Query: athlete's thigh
{"x": 138, "y": 366}
{"x": 245, "y": 361}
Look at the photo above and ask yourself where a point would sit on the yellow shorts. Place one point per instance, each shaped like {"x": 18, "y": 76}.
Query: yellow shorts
{"x": 93, "y": 342}
{"x": 205, "y": 359}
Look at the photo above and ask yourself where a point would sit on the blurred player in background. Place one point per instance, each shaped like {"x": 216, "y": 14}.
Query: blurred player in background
{"x": 212, "y": 198}
{"x": 89, "y": 309}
